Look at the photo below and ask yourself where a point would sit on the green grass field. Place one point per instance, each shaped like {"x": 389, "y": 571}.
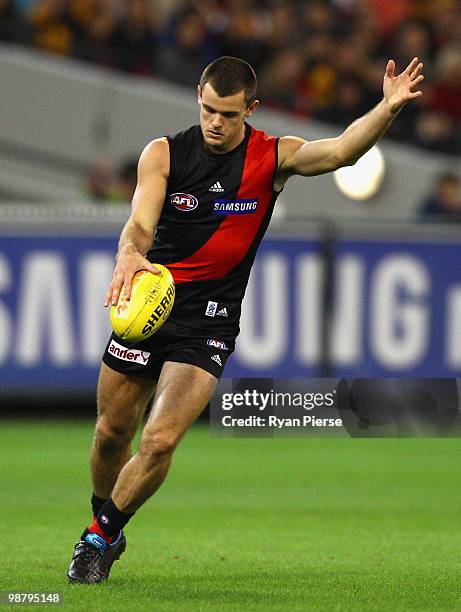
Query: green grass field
{"x": 244, "y": 524}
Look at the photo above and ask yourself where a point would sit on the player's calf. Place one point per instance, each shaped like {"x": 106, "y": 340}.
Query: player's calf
{"x": 146, "y": 471}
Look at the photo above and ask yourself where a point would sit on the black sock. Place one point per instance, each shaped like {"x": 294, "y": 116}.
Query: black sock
{"x": 111, "y": 520}
{"x": 97, "y": 503}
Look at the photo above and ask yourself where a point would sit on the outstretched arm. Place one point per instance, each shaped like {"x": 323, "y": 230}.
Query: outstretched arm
{"x": 137, "y": 235}
{"x": 297, "y": 156}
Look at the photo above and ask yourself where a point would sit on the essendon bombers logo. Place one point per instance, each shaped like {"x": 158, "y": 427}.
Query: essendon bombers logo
{"x": 184, "y": 201}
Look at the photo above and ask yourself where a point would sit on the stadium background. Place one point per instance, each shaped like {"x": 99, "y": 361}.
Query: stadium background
{"x": 342, "y": 287}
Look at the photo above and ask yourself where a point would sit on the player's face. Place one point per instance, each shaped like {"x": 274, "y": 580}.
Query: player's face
{"x": 221, "y": 119}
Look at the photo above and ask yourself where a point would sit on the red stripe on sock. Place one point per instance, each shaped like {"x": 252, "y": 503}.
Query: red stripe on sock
{"x": 95, "y": 528}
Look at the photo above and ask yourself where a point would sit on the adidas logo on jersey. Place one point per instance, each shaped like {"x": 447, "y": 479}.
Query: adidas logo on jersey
{"x": 222, "y": 313}
{"x": 217, "y": 187}
{"x": 217, "y": 358}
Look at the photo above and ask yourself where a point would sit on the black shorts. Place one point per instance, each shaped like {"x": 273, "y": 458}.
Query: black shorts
{"x": 173, "y": 342}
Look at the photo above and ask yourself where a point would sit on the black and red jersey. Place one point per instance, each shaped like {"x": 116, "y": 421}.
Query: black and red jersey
{"x": 216, "y": 211}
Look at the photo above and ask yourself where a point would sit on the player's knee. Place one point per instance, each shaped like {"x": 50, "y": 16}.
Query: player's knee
{"x": 110, "y": 437}
{"x": 155, "y": 447}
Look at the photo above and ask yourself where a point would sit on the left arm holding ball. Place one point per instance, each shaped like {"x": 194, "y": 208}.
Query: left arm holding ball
{"x": 297, "y": 156}
{"x": 137, "y": 235}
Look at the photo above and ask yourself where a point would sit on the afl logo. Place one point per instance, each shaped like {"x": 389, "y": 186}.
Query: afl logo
{"x": 184, "y": 201}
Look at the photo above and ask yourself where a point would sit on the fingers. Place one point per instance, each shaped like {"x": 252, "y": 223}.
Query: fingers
{"x": 390, "y": 68}
{"x": 128, "y": 279}
{"x": 411, "y": 66}
{"x": 413, "y": 69}
{"x": 123, "y": 279}
{"x": 414, "y": 83}
{"x": 152, "y": 268}
{"x": 108, "y": 297}
{"x": 114, "y": 289}
{"x": 417, "y": 71}
{"x": 127, "y": 282}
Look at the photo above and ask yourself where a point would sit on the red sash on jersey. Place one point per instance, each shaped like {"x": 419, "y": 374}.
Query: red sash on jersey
{"x": 226, "y": 248}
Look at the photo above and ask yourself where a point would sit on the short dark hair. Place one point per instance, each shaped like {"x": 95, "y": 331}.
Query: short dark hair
{"x": 229, "y": 75}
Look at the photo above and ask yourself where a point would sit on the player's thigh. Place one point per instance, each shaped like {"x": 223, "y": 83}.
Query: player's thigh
{"x": 183, "y": 392}
{"x": 122, "y": 399}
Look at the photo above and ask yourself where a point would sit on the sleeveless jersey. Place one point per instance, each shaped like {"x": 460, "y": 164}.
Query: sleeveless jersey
{"x": 216, "y": 211}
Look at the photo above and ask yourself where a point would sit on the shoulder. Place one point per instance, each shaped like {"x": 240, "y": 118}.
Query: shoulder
{"x": 288, "y": 146}
{"x": 155, "y": 157}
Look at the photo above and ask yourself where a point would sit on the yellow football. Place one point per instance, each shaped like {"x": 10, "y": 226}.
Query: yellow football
{"x": 152, "y": 298}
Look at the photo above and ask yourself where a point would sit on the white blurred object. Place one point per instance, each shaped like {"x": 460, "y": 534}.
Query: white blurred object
{"x": 363, "y": 180}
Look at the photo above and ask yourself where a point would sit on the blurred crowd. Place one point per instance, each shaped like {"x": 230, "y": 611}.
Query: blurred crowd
{"x": 314, "y": 58}
{"x": 444, "y": 203}
{"x": 111, "y": 182}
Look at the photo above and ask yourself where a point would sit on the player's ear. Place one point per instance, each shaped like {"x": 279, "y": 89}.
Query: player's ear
{"x": 251, "y": 108}
{"x": 199, "y": 94}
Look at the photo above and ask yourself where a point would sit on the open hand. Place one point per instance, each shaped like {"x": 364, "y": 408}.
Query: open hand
{"x": 400, "y": 89}
{"x": 126, "y": 267}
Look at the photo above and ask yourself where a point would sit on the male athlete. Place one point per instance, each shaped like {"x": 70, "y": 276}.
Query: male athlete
{"x": 203, "y": 201}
